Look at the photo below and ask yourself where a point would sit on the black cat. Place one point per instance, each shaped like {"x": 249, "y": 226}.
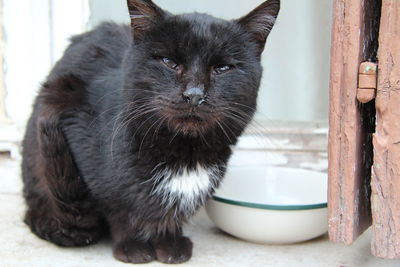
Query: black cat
{"x": 133, "y": 128}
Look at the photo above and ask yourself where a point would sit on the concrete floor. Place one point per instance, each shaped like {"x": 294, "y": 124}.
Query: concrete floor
{"x": 19, "y": 247}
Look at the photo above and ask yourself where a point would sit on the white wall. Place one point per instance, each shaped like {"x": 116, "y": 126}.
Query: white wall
{"x": 296, "y": 59}
{"x": 26, "y": 54}
{"x": 36, "y": 33}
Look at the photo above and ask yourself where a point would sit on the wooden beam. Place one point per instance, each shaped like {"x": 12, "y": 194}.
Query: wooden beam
{"x": 351, "y": 124}
{"x": 386, "y": 169}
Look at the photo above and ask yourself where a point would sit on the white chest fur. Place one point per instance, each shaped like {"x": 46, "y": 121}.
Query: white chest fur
{"x": 186, "y": 189}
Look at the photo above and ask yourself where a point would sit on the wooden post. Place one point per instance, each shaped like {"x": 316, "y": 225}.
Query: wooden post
{"x": 386, "y": 169}
{"x": 351, "y": 124}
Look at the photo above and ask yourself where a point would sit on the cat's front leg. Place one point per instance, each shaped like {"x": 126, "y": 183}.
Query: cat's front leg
{"x": 140, "y": 240}
{"x": 130, "y": 243}
{"x": 172, "y": 248}
{"x": 133, "y": 251}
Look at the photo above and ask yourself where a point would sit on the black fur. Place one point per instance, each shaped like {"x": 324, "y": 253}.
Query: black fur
{"x": 113, "y": 113}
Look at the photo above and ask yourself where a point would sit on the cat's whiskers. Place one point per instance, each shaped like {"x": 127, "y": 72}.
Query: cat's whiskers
{"x": 223, "y": 130}
{"x": 203, "y": 139}
{"x": 131, "y": 115}
{"x": 256, "y": 132}
{"x": 115, "y": 117}
{"x": 161, "y": 121}
{"x": 257, "y": 129}
{"x": 127, "y": 118}
{"x": 135, "y": 113}
{"x": 144, "y": 137}
{"x": 256, "y": 112}
{"x": 244, "y": 122}
{"x": 105, "y": 112}
{"x": 227, "y": 127}
{"x": 173, "y": 137}
{"x": 149, "y": 110}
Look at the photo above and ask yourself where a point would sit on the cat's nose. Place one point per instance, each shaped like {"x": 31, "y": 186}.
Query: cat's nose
{"x": 195, "y": 96}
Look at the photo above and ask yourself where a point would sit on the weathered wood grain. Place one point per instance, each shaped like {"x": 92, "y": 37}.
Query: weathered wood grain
{"x": 386, "y": 169}
{"x": 354, "y": 39}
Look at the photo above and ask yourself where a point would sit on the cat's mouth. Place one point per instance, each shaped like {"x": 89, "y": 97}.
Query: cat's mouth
{"x": 188, "y": 122}
{"x": 191, "y": 117}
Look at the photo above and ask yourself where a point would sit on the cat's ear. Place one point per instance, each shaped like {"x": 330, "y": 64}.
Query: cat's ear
{"x": 143, "y": 13}
{"x": 260, "y": 21}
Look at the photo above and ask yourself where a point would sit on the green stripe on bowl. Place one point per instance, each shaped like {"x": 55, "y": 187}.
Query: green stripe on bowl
{"x": 270, "y": 207}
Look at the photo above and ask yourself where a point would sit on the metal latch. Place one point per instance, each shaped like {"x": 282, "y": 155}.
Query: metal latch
{"x": 367, "y": 81}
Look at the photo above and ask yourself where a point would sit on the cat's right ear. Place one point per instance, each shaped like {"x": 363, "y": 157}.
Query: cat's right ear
{"x": 143, "y": 13}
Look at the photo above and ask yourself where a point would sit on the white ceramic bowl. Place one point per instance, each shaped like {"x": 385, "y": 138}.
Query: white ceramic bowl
{"x": 271, "y": 205}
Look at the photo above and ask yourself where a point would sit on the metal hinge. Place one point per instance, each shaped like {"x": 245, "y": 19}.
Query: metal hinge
{"x": 367, "y": 81}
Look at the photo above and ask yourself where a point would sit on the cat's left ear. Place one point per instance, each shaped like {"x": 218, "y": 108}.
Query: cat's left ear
{"x": 260, "y": 21}
{"x": 143, "y": 13}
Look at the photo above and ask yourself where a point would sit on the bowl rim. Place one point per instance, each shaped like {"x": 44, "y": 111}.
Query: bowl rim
{"x": 270, "y": 207}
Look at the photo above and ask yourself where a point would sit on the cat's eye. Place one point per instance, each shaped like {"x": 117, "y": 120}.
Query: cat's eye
{"x": 170, "y": 63}
{"x": 220, "y": 69}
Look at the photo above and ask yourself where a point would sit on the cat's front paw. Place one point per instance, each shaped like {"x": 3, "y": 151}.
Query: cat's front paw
{"x": 173, "y": 250}
{"x": 132, "y": 251}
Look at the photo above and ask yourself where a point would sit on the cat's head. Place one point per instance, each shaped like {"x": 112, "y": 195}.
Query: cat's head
{"x": 194, "y": 73}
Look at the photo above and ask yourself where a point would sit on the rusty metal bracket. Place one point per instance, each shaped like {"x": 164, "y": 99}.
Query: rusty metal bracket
{"x": 367, "y": 81}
